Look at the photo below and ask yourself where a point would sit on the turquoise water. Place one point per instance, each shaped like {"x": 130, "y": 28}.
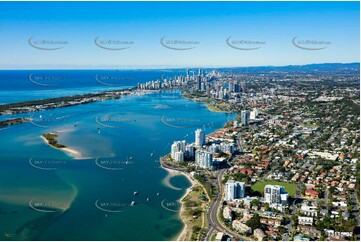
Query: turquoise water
{"x": 25, "y": 85}
{"x": 47, "y": 195}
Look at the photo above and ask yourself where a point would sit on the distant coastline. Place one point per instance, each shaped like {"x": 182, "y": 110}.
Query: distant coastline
{"x": 59, "y": 102}
{"x": 13, "y": 121}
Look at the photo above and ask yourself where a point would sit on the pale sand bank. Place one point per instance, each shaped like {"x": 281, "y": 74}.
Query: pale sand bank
{"x": 68, "y": 150}
{"x": 182, "y": 234}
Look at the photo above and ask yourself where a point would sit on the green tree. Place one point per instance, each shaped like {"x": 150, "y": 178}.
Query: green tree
{"x": 254, "y": 222}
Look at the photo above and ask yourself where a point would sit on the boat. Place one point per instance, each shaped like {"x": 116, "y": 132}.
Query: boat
{"x": 148, "y": 199}
{"x": 135, "y": 193}
{"x": 151, "y": 154}
{"x": 158, "y": 194}
{"x": 133, "y": 203}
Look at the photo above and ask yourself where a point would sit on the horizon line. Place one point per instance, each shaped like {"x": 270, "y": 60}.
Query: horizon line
{"x": 150, "y": 67}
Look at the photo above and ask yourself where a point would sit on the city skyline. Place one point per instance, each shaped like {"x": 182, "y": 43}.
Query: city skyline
{"x": 180, "y": 120}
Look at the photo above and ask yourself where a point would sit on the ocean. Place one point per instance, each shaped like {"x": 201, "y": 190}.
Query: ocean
{"x": 16, "y": 86}
{"x": 46, "y": 194}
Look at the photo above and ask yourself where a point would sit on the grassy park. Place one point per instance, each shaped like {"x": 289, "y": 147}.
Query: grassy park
{"x": 289, "y": 187}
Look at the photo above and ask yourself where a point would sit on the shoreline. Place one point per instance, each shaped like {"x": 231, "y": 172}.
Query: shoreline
{"x": 184, "y": 231}
{"x": 212, "y": 110}
{"x": 67, "y": 150}
{"x": 209, "y": 106}
{"x": 182, "y": 234}
{"x": 189, "y": 189}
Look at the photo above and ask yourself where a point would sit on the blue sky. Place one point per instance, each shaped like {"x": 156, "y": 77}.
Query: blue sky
{"x": 273, "y": 25}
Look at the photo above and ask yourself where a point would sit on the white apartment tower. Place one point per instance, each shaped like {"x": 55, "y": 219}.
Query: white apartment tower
{"x": 203, "y": 159}
{"x": 234, "y": 190}
{"x": 200, "y": 138}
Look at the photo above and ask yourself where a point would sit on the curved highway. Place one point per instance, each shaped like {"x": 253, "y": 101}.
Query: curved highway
{"x": 212, "y": 214}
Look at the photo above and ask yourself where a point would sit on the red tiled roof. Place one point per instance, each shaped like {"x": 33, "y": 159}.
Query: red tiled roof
{"x": 246, "y": 171}
{"x": 311, "y": 192}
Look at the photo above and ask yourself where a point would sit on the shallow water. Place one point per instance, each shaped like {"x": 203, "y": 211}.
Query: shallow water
{"x": 89, "y": 199}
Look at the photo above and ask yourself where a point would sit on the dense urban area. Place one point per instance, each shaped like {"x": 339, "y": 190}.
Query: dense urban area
{"x": 287, "y": 168}
{"x": 284, "y": 167}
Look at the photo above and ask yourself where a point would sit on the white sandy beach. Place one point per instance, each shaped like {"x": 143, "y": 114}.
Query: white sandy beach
{"x": 181, "y": 235}
{"x": 68, "y": 150}
{"x": 166, "y": 180}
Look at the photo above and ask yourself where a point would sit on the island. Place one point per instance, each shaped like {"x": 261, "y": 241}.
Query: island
{"x": 59, "y": 102}
{"x": 51, "y": 139}
{"x": 13, "y": 121}
{"x": 285, "y": 168}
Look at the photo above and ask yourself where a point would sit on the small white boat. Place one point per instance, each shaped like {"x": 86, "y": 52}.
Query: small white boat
{"x": 148, "y": 199}
{"x": 158, "y": 194}
{"x": 132, "y": 204}
{"x": 135, "y": 193}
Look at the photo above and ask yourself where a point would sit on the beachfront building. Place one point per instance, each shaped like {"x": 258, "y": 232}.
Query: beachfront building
{"x": 178, "y": 146}
{"x": 179, "y": 156}
{"x": 200, "y": 138}
{"x": 203, "y": 159}
{"x": 190, "y": 151}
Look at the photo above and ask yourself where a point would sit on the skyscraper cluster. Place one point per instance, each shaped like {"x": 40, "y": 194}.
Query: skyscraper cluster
{"x": 181, "y": 150}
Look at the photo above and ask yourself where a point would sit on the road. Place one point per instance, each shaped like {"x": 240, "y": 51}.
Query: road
{"x": 214, "y": 225}
{"x": 212, "y": 214}
{"x": 286, "y": 236}
{"x": 355, "y": 207}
